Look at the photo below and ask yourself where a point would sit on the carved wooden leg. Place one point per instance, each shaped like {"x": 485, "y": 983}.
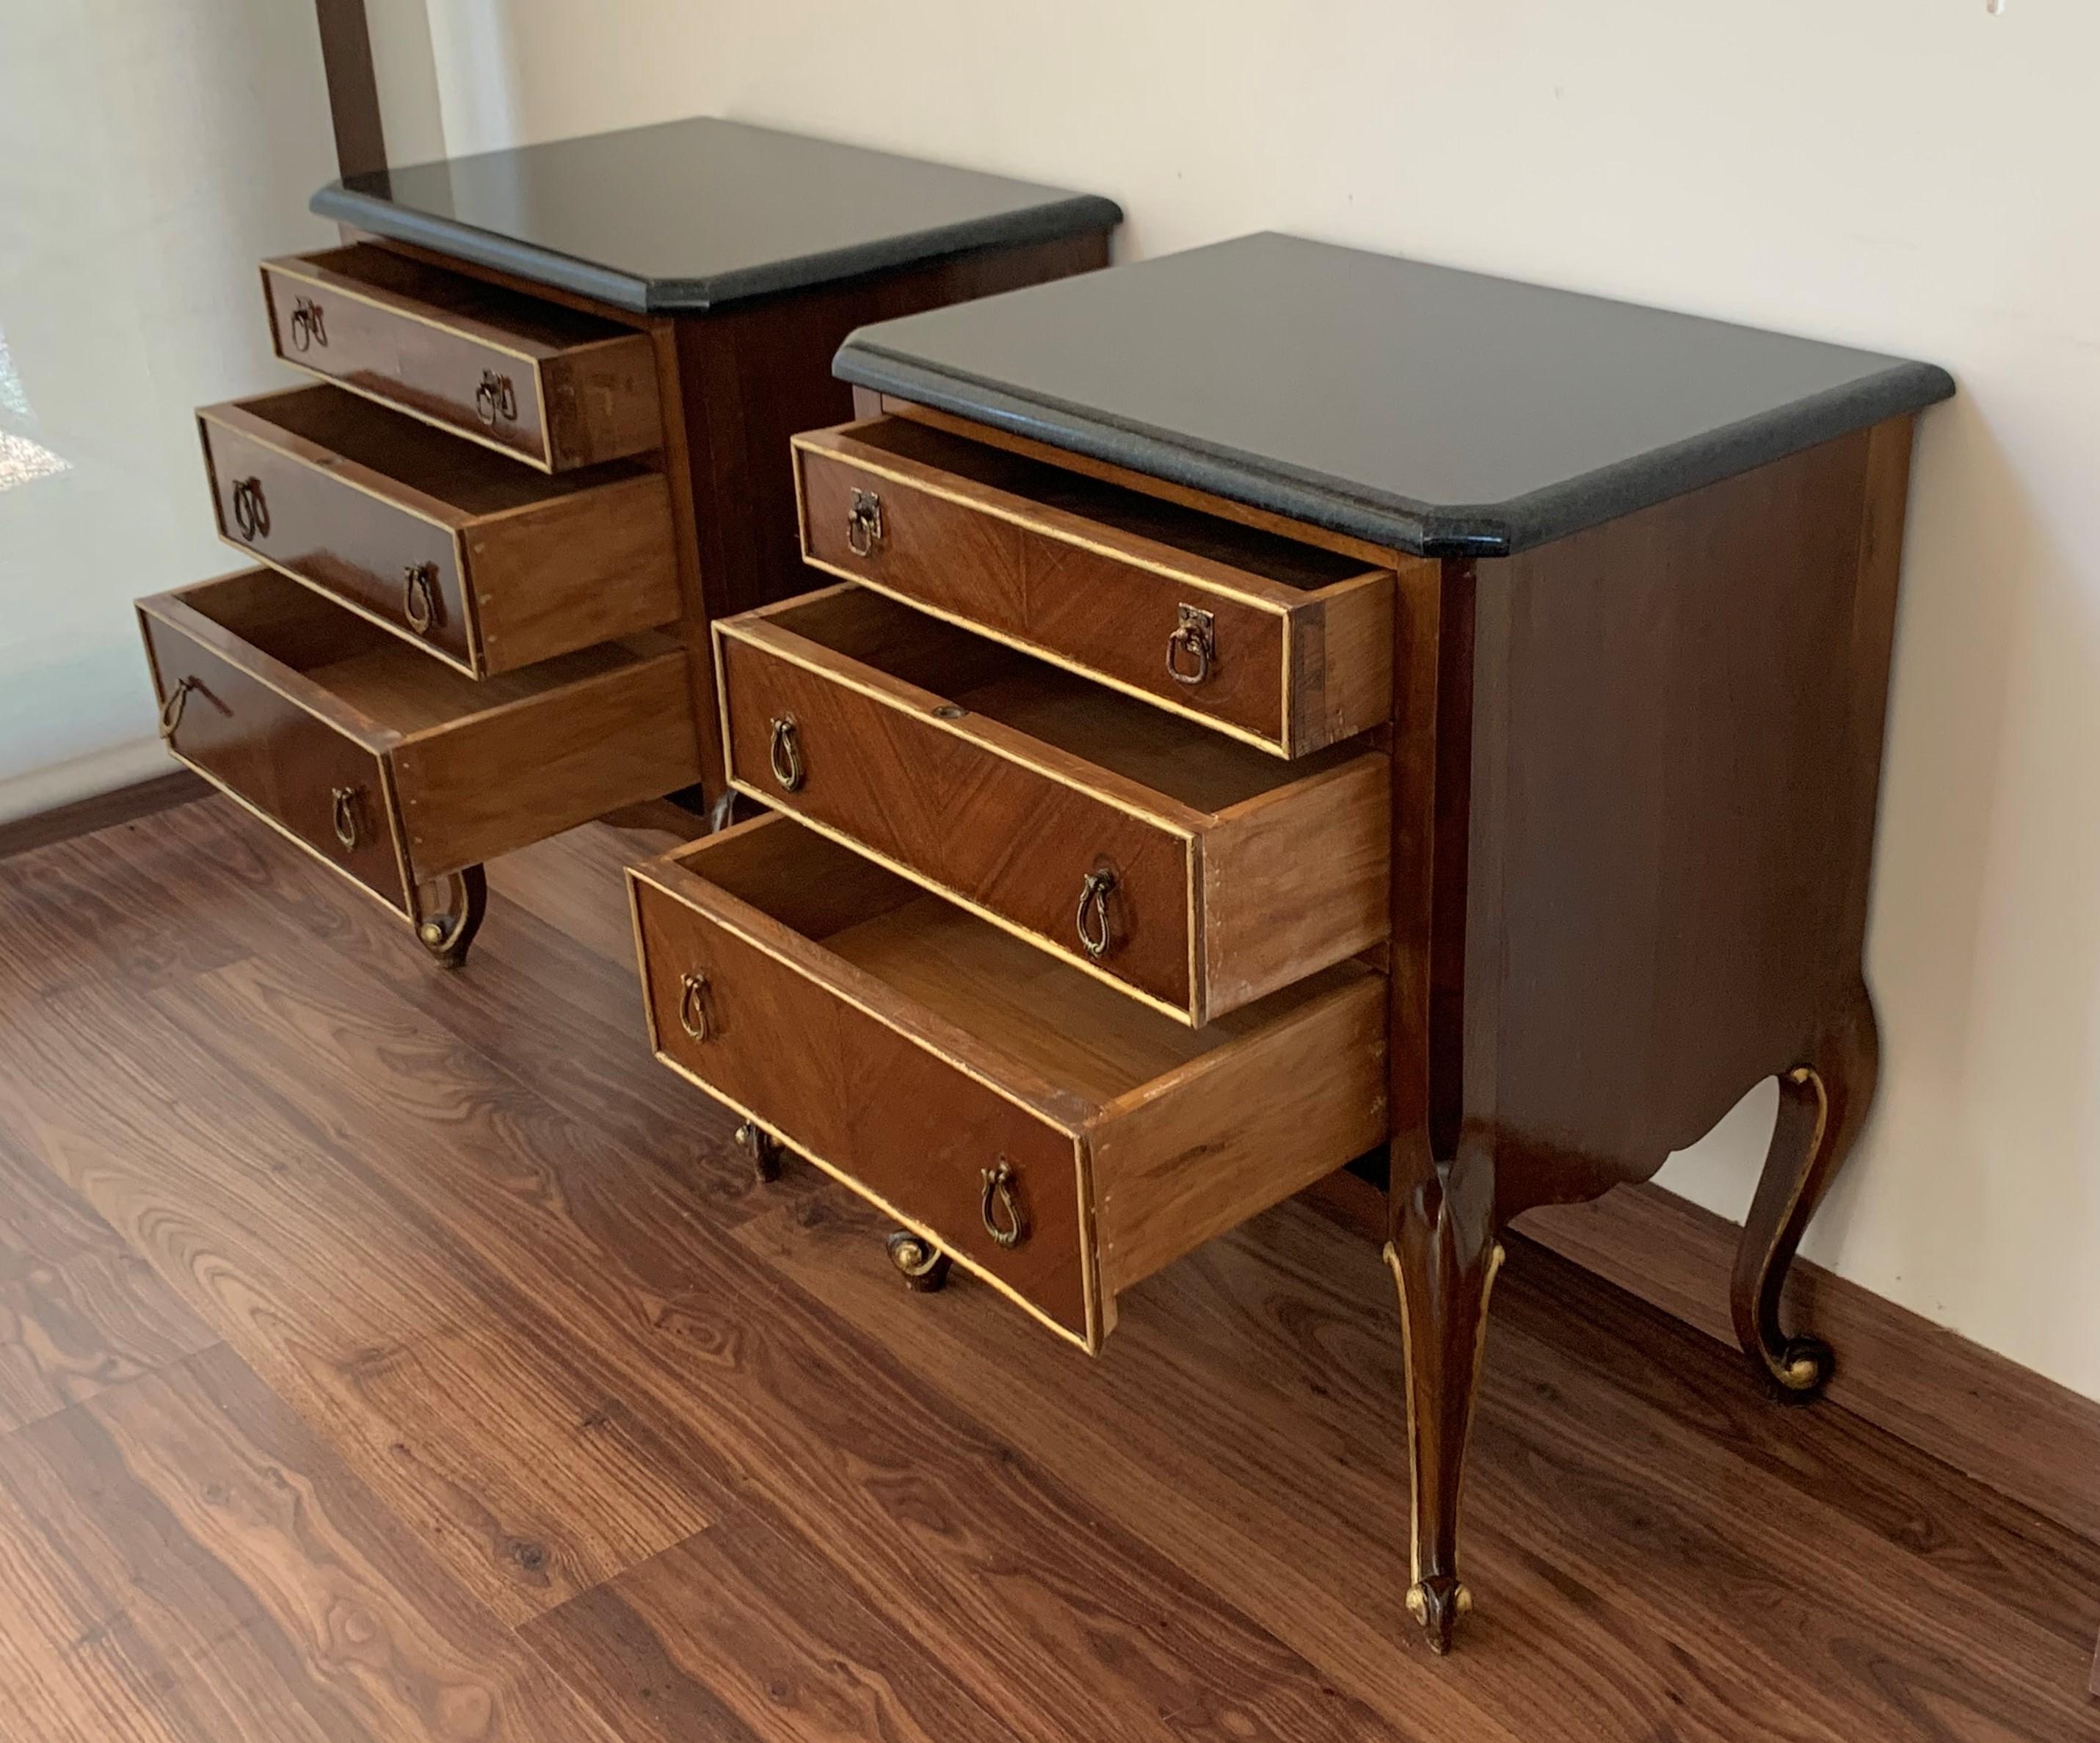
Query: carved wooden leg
{"x": 757, "y": 1144}
{"x": 446, "y": 935}
{"x": 1444, "y": 1255}
{"x": 1822, "y": 1104}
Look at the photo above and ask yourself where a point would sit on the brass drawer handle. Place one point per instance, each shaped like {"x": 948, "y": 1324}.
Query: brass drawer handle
{"x": 693, "y": 1006}
{"x": 495, "y": 398}
{"x": 1005, "y": 1221}
{"x": 171, "y": 709}
{"x": 864, "y": 522}
{"x": 251, "y": 514}
{"x": 418, "y": 596}
{"x": 308, "y": 327}
{"x": 1192, "y": 647}
{"x": 346, "y": 817}
{"x": 785, "y": 753}
{"x": 1096, "y": 932}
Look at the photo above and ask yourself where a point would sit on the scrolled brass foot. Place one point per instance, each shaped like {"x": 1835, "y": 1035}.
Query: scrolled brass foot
{"x": 922, "y": 1265}
{"x": 447, "y": 934}
{"x": 757, "y": 1143}
{"x": 1803, "y": 1369}
{"x": 1436, "y": 1603}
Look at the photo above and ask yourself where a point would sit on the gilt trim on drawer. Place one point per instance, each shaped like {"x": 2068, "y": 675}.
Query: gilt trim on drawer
{"x": 1331, "y": 638}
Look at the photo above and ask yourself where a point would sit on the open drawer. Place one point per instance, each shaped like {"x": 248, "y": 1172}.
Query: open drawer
{"x": 1054, "y": 1138}
{"x": 1283, "y": 644}
{"x": 393, "y": 769}
{"x": 543, "y": 383}
{"x": 487, "y": 565}
{"x": 1189, "y": 870}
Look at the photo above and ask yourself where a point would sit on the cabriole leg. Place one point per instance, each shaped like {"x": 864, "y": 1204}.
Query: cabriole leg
{"x": 446, "y": 935}
{"x": 755, "y": 1142}
{"x": 1444, "y": 1255}
{"x": 1823, "y": 1102}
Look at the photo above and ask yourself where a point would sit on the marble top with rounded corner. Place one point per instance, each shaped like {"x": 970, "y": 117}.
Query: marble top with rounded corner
{"x": 693, "y": 215}
{"x": 1424, "y": 408}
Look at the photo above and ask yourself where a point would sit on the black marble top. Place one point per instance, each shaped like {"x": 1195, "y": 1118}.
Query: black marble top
{"x": 1424, "y": 409}
{"x": 693, "y": 214}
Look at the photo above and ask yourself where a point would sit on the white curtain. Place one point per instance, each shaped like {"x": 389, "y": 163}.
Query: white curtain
{"x": 151, "y": 151}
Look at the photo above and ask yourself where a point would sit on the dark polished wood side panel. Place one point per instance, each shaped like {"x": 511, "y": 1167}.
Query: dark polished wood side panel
{"x": 264, "y": 747}
{"x": 1678, "y": 722}
{"x": 894, "y": 1117}
{"x": 998, "y": 833}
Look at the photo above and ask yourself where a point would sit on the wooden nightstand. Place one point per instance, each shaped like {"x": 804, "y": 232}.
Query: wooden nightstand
{"x": 1283, "y": 699}
{"x": 538, "y": 455}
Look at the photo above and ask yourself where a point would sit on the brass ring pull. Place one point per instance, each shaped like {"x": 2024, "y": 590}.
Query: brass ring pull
{"x": 1004, "y": 1219}
{"x": 251, "y": 514}
{"x": 1192, "y": 647}
{"x": 785, "y": 753}
{"x": 308, "y": 327}
{"x": 693, "y": 1006}
{"x": 346, "y": 817}
{"x": 418, "y": 603}
{"x": 495, "y": 398}
{"x": 171, "y": 709}
{"x": 1095, "y": 933}
{"x": 864, "y": 522}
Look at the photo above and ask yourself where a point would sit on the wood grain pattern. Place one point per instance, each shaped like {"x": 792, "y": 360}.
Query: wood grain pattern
{"x": 577, "y": 389}
{"x": 1196, "y": 1537}
{"x": 189, "y": 1565}
{"x": 757, "y": 374}
{"x": 523, "y": 566}
{"x": 1006, "y": 783}
{"x": 512, "y": 774}
{"x": 300, "y": 698}
{"x": 400, "y": 1348}
{"x": 1194, "y": 1153}
{"x": 746, "y": 1632}
{"x": 1922, "y": 1383}
{"x": 80, "y": 1313}
{"x": 257, "y": 728}
{"x": 1094, "y": 576}
{"x": 929, "y": 1047}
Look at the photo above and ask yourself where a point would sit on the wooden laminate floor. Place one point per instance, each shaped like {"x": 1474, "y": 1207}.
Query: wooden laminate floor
{"x": 387, "y": 1354}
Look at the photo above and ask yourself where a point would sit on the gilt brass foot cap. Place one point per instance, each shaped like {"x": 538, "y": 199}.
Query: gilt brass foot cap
{"x": 1803, "y": 1369}
{"x": 1436, "y": 1603}
{"x": 757, "y": 1143}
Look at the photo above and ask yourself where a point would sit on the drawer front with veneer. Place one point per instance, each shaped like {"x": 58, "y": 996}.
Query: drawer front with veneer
{"x": 483, "y": 563}
{"x": 1283, "y": 644}
{"x": 1057, "y": 1139}
{"x": 1193, "y": 872}
{"x": 388, "y": 765}
{"x": 539, "y": 382}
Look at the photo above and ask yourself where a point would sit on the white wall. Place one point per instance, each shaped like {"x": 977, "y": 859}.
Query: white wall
{"x": 149, "y": 154}
{"x": 1914, "y": 175}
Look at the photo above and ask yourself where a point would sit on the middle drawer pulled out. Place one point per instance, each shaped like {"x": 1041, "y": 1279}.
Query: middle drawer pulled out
{"x": 480, "y": 561}
{"x": 1193, "y": 872}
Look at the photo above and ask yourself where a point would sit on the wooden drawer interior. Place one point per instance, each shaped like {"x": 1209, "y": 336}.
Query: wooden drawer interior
{"x": 1095, "y": 575}
{"x": 1167, "y": 1135}
{"x": 478, "y": 769}
{"x": 519, "y": 565}
{"x": 576, "y": 389}
{"x": 1005, "y": 781}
